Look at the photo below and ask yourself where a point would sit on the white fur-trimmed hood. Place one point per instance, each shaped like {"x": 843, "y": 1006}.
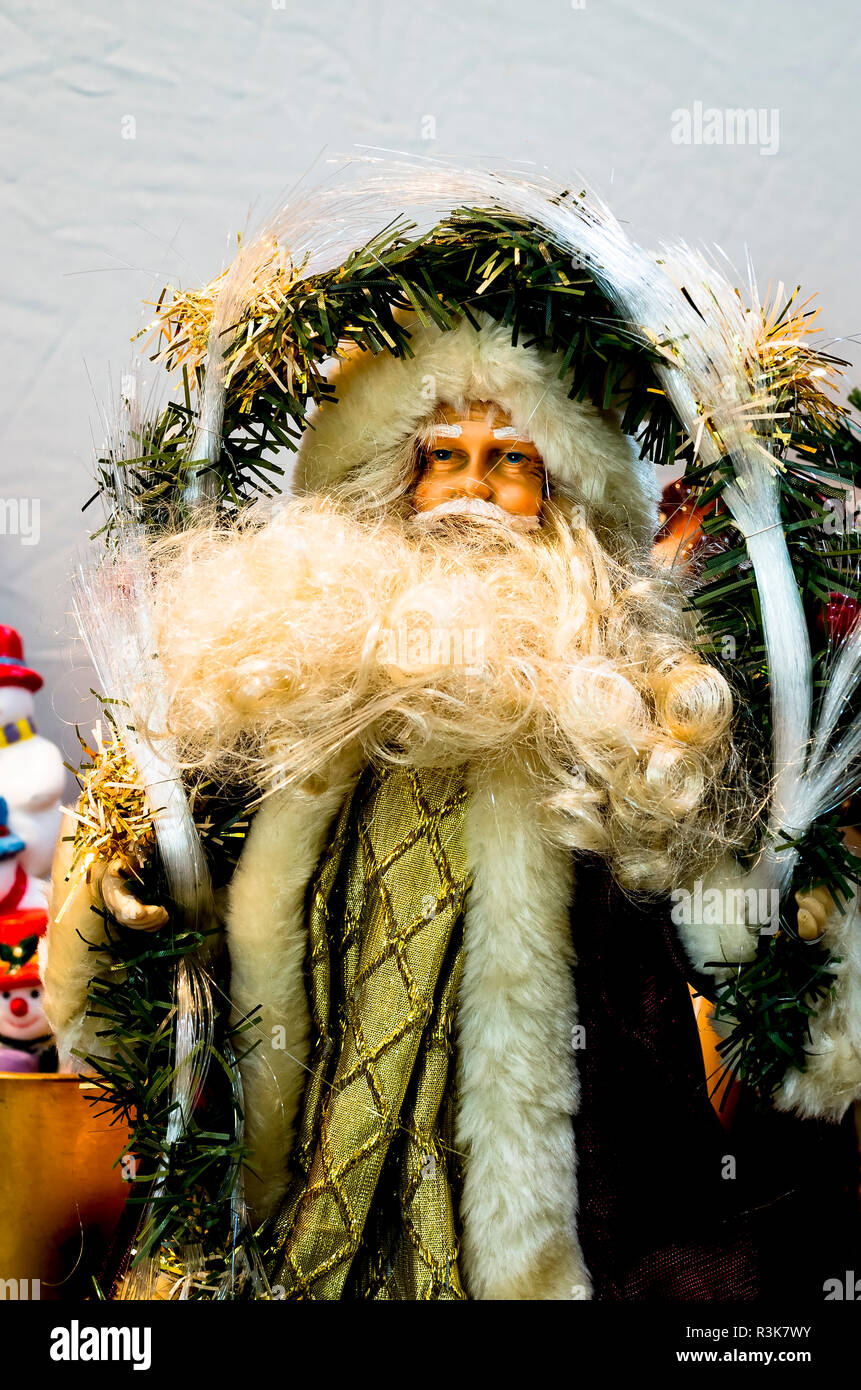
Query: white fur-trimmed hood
{"x": 383, "y": 399}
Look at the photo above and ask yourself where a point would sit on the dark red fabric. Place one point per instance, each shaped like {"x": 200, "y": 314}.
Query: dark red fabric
{"x": 658, "y": 1220}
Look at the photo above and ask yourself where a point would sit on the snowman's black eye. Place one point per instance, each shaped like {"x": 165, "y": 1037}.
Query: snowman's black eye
{"x": 6, "y": 994}
{"x": 34, "y": 994}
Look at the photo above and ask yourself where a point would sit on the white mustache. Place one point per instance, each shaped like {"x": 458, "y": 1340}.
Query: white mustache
{"x": 475, "y": 507}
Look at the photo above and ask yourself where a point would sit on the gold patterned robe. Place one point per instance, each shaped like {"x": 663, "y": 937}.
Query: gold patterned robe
{"x": 372, "y": 1211}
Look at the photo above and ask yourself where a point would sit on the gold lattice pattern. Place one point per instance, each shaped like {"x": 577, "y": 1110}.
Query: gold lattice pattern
{"x": 372, "y": 1210}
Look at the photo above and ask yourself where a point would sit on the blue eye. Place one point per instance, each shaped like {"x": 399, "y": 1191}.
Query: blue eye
{"x": 514, "y": 457}
{"x": 441, "y": 455}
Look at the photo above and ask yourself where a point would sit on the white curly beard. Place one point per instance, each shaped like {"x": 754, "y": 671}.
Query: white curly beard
{"x": 440, "y": 645}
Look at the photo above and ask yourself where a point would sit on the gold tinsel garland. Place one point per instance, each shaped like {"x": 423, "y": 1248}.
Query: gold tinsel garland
{"x": 112, "y": 815}
{"x": 182, "y": 327}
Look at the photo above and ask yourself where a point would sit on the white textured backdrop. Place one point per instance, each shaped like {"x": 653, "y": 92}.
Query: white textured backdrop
{"x": 139, "y": 138}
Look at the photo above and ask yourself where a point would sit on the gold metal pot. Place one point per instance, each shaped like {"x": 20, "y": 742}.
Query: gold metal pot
{"x": 60, "y": 1196}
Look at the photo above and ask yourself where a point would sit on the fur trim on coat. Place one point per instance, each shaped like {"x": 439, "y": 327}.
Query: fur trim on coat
{"x": 267, "y": 937}
{"x": 517, "y": 1078}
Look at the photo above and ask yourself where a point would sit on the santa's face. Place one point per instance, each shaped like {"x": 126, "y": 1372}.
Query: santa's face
{"x": 22, "y": 1016}
{"x": 475, "y": 456}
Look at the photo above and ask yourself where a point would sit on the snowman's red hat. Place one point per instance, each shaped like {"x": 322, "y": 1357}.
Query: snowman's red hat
{"x": 20, "y": 933}
{"x": 13, "y": 670}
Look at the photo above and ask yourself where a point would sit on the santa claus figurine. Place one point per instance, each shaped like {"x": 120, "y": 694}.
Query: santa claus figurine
{"x": 26, "y": 1044}
{"x": 484, "y": 749}
{"x": 32, "y": 777}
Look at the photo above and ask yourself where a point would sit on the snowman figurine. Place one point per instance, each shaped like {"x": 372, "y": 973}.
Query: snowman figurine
{"x": 26, "y": 1044}
{"x": 32, "y": 776}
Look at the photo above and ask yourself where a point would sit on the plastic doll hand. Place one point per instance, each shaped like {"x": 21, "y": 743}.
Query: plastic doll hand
{"x": 113, "y": 880}
{"x": 813, "y": 911}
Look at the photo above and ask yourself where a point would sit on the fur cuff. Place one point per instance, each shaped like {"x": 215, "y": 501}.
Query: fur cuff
{"x": 710, "y": 928}
{"x": 832, "y": 1079}
{"x": 711, "y": 915}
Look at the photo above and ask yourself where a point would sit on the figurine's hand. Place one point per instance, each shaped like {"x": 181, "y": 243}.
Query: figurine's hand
{"x": 813, "y": 911}
{"x": 113, "y": 880}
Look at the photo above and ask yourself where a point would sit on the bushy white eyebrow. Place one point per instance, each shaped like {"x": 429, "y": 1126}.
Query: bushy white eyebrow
{"x": 509, "y": 432}
{"x": 444, "y": 431}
